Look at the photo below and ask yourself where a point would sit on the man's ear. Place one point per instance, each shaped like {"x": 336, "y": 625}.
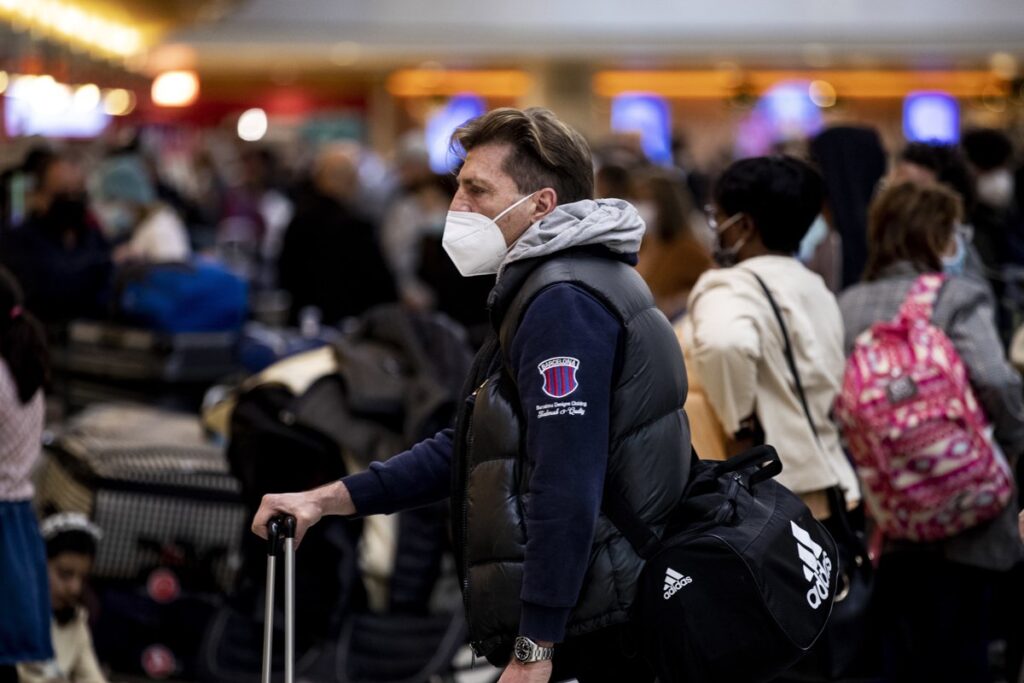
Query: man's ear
{"x": 545, "y": 202}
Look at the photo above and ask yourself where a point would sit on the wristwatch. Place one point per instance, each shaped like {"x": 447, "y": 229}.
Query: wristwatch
{"x": 527, "y": 652}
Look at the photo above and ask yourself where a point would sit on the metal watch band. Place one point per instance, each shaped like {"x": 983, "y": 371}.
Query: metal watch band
{"x": 527, "y": 652}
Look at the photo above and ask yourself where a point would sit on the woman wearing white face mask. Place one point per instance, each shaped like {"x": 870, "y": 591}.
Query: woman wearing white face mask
{"x": 761, "y": 210}
{"x": 151, "y": 230}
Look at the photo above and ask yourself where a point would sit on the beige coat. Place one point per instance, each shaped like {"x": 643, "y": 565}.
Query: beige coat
{"x": 736, "y": 346}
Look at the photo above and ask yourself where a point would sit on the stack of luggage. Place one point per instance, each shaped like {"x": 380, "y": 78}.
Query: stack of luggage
{"x": 172, "y": 517}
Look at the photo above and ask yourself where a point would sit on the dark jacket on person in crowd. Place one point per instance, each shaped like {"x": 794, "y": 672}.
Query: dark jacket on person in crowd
{"x": 583, "y": 378}
{"x": 330, "y": 259}
{"x": 62, "y": 262}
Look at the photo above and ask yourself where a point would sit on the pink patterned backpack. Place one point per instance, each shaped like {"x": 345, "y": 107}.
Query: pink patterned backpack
{"x": 917, "y": 434}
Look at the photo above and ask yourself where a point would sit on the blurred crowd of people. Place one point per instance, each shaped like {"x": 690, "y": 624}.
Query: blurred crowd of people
{"x": 340, "y": 236}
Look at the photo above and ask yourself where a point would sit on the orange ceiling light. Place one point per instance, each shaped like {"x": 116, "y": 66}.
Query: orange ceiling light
{"x": 851, "y": 84}
{"x": 695, "y": 84}
{"x": 434, "y": 82}
{"x": 175, "y": 89}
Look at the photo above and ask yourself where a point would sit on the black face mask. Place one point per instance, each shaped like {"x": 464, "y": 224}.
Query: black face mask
{"x": 67, "y": 211}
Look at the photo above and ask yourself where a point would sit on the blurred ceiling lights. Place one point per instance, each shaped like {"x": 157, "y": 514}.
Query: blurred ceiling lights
{"x": 119, "y": 102}
{"x": 112, "y": 29}
{"x": 434, "y": 82}
{"x": 71, "y": 23}
{"x": 822, "y": 93}
{"x": 855, "y": 84}
{"x": 175, "y": 89}
{"x": 252, "y": 125}
{"x": 47, "y": 94}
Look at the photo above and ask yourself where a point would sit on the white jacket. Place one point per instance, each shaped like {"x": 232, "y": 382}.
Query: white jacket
{"x": 737, "y": 345}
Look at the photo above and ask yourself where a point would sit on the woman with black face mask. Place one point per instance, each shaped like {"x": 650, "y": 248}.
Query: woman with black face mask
{"x": 67, "y": 217}
{"x": 59, "y": 255}
{"x": 761, "y": 209}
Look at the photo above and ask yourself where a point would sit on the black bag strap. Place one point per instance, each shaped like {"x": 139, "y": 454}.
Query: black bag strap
{"x": 836, "y": 498}
{"x": 788, "y": 351}
{"x": 763, "y": 463}
{"x": 615, "y": 506}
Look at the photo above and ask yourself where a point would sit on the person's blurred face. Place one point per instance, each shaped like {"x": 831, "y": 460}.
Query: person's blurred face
{"x": 485, "y": 188}
{"x": 62, "y": 178}
{"x": 337, "y": 177}
{"x": 68, "y": 572}
{"x": 909, "y": 171}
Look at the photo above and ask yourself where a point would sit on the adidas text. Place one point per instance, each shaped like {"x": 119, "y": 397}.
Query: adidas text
{"x": 674, "y": 582}
{"x": 817, "y": 565}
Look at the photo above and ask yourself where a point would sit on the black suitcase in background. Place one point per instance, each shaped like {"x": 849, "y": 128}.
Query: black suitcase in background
{"x": 102, "y": 361}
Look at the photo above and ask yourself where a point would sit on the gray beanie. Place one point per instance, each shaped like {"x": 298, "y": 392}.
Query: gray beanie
{"x": 124, "y": 178}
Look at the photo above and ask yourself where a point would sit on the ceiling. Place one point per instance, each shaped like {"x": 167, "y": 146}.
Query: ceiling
{"x": 367, "y": 34}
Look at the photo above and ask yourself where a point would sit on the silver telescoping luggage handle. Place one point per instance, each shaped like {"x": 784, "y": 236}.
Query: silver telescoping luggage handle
{"x": 280, "y": 531}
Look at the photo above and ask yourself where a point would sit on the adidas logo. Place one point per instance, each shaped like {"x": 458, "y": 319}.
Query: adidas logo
{"x": 817, "y": 565}
{"x": 675, "y": 582}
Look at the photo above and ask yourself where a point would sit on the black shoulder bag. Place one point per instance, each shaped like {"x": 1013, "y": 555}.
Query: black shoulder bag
{"x": 741, "y": 583}
{"x": 848, "y": 648}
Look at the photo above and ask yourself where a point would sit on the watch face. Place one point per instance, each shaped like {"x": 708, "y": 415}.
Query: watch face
{"x": 523, "y": 649}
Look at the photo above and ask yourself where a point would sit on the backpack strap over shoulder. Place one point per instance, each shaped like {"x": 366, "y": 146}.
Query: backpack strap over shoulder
{"x": 920, "y": 301}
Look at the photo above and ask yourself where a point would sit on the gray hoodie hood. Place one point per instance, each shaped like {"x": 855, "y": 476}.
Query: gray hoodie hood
{"x": 611, "y": 223}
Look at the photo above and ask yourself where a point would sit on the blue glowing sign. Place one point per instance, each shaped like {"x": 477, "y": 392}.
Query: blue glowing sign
{"x": 649, "y": 116}
{"x": 37, "y": 106}
{"x": 931, "y": 117}
{"x": 443, "y": 123}
{"x": 785, "y": 112}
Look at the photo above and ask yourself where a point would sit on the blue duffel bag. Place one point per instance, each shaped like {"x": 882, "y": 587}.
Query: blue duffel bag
{"x": 201, "y": 296}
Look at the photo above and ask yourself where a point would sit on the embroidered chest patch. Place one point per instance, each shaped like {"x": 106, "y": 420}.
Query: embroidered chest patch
{"x": 559, "y": 376}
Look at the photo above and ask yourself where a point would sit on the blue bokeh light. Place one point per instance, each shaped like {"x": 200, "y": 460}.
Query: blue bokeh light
{"x": 442, "y": 124}
{"x": 931, "y": 117}
{"x": 648, "y": 115}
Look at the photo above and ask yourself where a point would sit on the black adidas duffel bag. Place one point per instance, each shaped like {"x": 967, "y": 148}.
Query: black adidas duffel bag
{"x": 742, "y": 582}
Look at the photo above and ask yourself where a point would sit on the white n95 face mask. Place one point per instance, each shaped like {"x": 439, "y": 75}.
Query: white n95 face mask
{"x": 474, "y": 242}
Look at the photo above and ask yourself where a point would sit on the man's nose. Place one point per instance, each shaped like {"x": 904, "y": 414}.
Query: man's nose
{"x": 460, "y": 202}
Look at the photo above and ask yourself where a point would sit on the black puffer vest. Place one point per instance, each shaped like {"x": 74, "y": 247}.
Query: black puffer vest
{"x": 649, "y": 458}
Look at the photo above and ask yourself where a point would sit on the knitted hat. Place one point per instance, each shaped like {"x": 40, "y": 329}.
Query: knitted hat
{"x": 124, "y": 178}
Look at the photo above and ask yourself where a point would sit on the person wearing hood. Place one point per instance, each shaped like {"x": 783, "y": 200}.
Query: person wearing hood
{"x": 150, "y": 231}
{"x": 581, "y": 378}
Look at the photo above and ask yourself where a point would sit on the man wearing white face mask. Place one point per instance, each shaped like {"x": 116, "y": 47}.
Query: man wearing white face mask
{"x": 582, "y": 377}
